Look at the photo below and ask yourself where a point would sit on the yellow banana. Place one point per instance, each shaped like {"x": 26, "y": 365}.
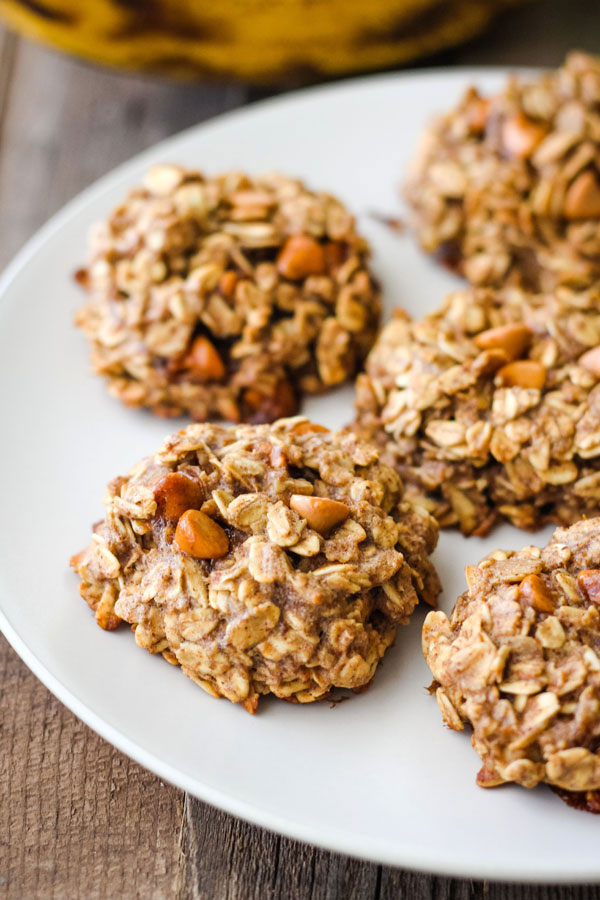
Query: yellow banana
{"x": 256, "y": 40}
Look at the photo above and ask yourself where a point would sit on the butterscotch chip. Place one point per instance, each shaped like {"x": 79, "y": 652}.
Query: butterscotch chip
{"x": 519, "y": 661}
{"x": 490, "y": 407}
{"x": 291, "y": 577}
{"x": 300, "y": 257}
{"x": 523, "y": 373}
{"x": 588, "y": 581}
{"x": 582, "y": 200}
{"x": 533, "y": 590}
{"x": 175, "y": 493}
{"x": 305, "y": 427}
{"x": 321, "y": 513}
{"x": 513, "y": 339}
{"x": 200, "y": 536}
{"x": 203, "y": 361}
{"x": 506, "y": 189}
{"x": 227, "y": 297}
{"x": 227, "y": 283}
{"x": 521, "y": 135}
{"x": 590, "y": 360}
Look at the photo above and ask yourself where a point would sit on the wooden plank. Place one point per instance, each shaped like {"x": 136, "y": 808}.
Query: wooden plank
{"x": 77, "y": 818}
{"x": 397, "y": 885}
{"x": 260, "y": 864}
{"x": 8, "y": 47}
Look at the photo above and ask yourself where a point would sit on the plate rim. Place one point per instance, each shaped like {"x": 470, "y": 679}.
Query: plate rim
{"x": 331, "y": 839}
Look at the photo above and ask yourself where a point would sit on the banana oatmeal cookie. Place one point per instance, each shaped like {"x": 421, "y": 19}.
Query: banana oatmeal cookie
{"x": 506, "y": 189}
{"x": 227, "y": 297}
{"x": 519, "y": 659}
{"x": 490, "y": 407}
{"x": 262, "y": 559}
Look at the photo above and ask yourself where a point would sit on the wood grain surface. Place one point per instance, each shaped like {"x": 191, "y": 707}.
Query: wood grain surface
{"x": 77, "y": 818}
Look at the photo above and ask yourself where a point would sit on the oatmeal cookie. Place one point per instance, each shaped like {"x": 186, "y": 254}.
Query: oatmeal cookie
{"x": 519, "y": 660}
{"x": 262, "y": 559}
{"x": 227, "y": 297}
{"x": 490, "y": 407}
{"x": 506, "y": 189}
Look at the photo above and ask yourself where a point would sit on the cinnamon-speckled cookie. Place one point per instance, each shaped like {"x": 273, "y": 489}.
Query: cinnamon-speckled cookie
{"x": 261, "y": 559}
{"x": 227, "y": 297}
{"x": 506, "y": 189}
{"x": 519, "y": 660}
{"x": 490, "y": 407}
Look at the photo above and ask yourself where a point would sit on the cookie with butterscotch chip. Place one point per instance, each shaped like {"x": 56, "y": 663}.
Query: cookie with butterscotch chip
{"x": 519, "y": 661}
{"x": 505, "y": 189}
{"x": 227, "y": 297}
{"x": 261, "y": 559}
{"x": 490, "y": 407}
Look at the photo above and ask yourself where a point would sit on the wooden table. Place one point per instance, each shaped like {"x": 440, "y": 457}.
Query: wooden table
{"x": 77, "y": 818}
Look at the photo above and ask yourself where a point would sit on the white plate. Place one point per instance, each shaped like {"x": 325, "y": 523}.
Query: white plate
{"x": 377, "y": 776}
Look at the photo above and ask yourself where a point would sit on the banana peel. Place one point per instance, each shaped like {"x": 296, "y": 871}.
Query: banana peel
{"x": 261, "y": 41}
